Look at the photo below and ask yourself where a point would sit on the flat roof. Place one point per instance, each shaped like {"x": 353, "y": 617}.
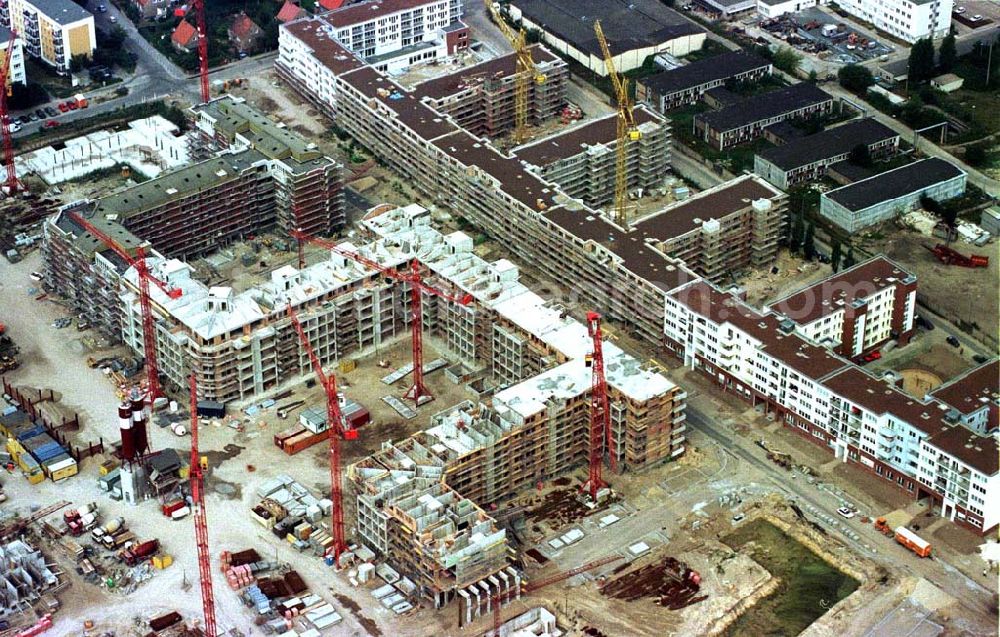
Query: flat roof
{"x": 321, "y": 38}
{"x": 893, "y": 184}
{"x": 840, "y": 290}
{"x": 427, "y": 123}
{"x": 576, "y": 140}
{"x": 973, "y": 390}
{"x": 979, "y": 452}
{"x": 765, "y": 105}
{"x": 512, "y": 177}
{"x": 367, "y": 11}
{"x": 828, "y": 143}
{"x": 627, "y": 24}
{"x": 234, "y": 116}
{"x": 812, "y": 361}
{"x": 717, "y": 67}
{"x": 447, "y": 85}
{"x": 715, "y": 203}
{"x": 178, "y": 183}
{"x": 87, "y": 243}
{"x": 61, "y": 11}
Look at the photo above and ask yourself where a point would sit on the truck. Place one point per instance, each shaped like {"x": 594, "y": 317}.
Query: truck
{"x": 117, "y": 540}
{"x": 81, "y": 101}
{"x": 109, "y": 527}
{"x": 912, "y": 541}
{"x": 139, "y": 552}
{"x": 82, "y": 519}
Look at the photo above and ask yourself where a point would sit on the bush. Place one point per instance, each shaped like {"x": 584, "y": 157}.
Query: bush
{"x": 787, "y": 60}
{"x": 855, "y": 78}
{"x": 977, "y": 154}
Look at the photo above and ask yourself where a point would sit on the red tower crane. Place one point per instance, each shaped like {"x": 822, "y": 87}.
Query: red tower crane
{"x": 335, "y": 425}
{"x": 145, "y": 277}
{"x": 600, "y": 416}
{"x": 197, "y": 478}
{"x": 12, "y": 184}
{"x": 199, "y": 7}
{"x": 497, "y": 599}
{"x": 418, "y": 390}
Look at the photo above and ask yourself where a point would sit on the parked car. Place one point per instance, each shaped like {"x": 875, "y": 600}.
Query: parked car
{"x": 24, "y": 119}
{"x": 953, "y": 341}
{"x": 72, "y": 105}
{"x": 872, "y": 356}
{"x": 102, "y": 9}
{"x": 14, "y": 126}
{"x": 50, "y": 123}
{"x": 979, "y": 358}
{"x": 113, "y": 19}
{"x": 36, "y": 276}
{"x": 51, "y": 111}
{"x": 925, "y": 323}
{"x": 32, "y": 117}
{"x": 63, "y": 107}
{"x": 41, "y": 113}
{"x": 846, "y": 512}
{"x": 960, "y": 10}
{"x": 977, "y": 18}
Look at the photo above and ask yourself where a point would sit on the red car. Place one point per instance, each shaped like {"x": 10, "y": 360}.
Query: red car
{"x": 50, "y": 123}
{"x": 873, "y": 356}
{"x": 63, "y": 107}
{"x": 72, "y": 105}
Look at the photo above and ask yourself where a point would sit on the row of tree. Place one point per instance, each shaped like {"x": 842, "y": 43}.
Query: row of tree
{"x": 802, "y": 240}
{"x": 922, "y": 65}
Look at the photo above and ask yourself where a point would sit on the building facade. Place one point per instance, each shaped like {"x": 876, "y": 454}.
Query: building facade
{"x": 53, "y": 31}
{"x": 908, "y": 20}
{"x": 16, "y": 71}
{"x": 892, "y": 193}
{"x": 808, "y": 158}
{"x": 686, "y": 84}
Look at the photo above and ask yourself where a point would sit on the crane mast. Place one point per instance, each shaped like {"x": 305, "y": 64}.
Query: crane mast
{"x": 627, "y": 129}
{"x": 526, "y": 72}
{"x": 335, "y": 425}
{"x": 199, "y": 7}
{"x": 600, "y": 415}
{"x": 145, "y": 278}
{"x": 201, "y": 520}
{"x": 12, "y": 185}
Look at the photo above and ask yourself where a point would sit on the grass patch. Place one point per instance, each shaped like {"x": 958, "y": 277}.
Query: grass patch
{"x": 735, "y": 159}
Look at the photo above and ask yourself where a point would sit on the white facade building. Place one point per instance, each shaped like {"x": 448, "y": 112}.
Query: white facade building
{"x": 15, "y": 74}
{"x": 908, "y": 20}
{"x": 775, "y": 8}
{"x": 393, "y": 34}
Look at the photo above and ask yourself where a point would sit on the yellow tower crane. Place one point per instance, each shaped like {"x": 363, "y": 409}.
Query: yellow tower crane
{"x": 627, "y": 130}
{"x": 526, "y": 73}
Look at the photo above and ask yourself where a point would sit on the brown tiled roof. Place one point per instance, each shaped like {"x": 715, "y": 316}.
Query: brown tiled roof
{"x": 290, "y": 11}
{"x": 575, "y": 140}
{"x": 880, "y": 397}
{"x": 184, "y": 34}
{"x": 840, "y": 290}
{"x": 243, "y": 27}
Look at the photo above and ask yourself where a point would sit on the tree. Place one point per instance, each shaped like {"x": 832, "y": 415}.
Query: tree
{"x": 849, "y": 259}
{"x": 835, "y": 254}
{"x": 977, "y": 154}
{"x": 860, "y": 156}
{"x": 921, "y": 64}
{"x": 947, "y": 54}
{"x": 855, "y": 78}
{"x": 809, "y": 244}
{"x": 786, "y": 59}
{"x": 795, "y": 240}
{"x": 813, "y": 77}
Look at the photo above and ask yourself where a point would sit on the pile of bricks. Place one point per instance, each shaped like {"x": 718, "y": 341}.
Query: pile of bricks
{"x": 242, "y": 568}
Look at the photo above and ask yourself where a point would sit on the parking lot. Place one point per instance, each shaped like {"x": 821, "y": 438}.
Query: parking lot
{"x": 829, "y": 37}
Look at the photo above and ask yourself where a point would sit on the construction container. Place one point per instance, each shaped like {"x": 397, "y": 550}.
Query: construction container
{"x": 107, "y": 467}
{"x": 172, "y": 506}
{"x": 162, "y": 561}
{"x": 912, "y": 541}
{"x": 294, "y": 440}
{"x": 355, "y": 415}
{"x": 180, "y": 513}
{"x": 30, "y": 432}
{"x": 60, "y": 467}
{"x": 211, "y": 409}
{"x": 347, "y": 365}
{"x": 108, "y": 481}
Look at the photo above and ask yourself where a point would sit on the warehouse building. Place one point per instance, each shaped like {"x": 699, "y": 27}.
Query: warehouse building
{"x": 582, "y": 159}
{"x": 745, "y": 119}
{"x": 808, "y": 158}
{"x": 892, "y": 193}
{"x": 635, "y": 30}
{"x": 671, "y": 89}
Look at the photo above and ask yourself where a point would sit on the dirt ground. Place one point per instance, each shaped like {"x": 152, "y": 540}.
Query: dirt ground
{"x": 927, "y": 352}
{"x": 961, "y": 295}
{"x": 764, "y": 285}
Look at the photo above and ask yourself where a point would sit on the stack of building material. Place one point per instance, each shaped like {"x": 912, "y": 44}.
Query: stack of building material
{"x": 255, "y": 598}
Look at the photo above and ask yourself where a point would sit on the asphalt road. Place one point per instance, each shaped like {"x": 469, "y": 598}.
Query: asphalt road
{"x": 970, "y": 593}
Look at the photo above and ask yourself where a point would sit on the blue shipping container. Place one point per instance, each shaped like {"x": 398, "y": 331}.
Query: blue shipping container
{"x": 48, "y": 452}
{"x": 30, "y": 433}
